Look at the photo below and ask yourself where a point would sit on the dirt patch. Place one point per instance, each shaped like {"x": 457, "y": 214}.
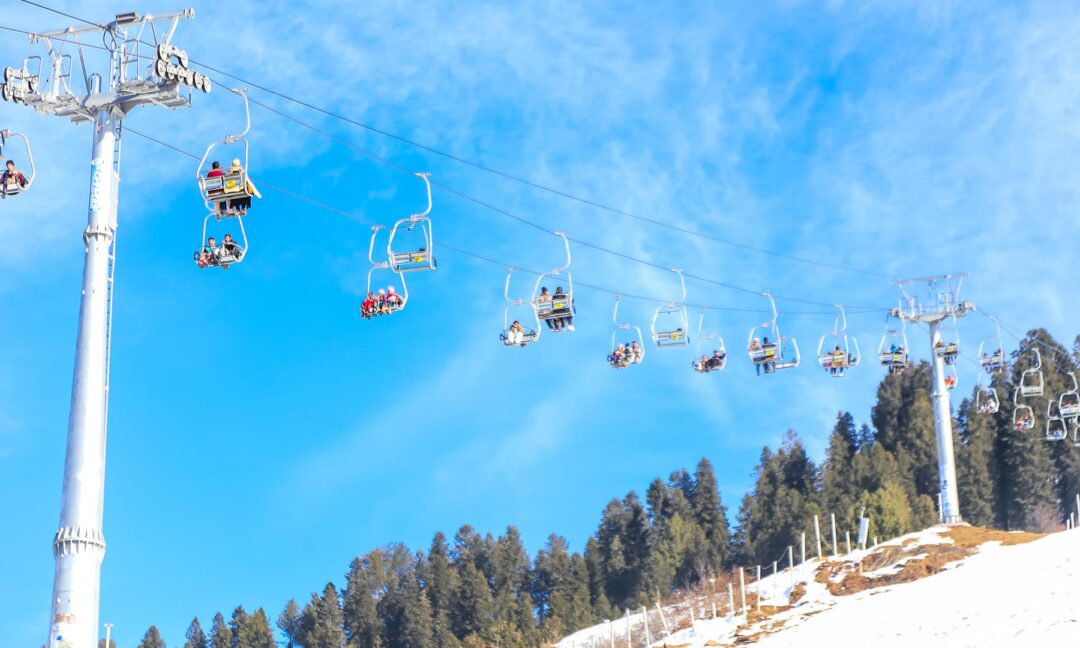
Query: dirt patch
{"x": 797, "y": 593}
{"x": 922, "y": 561}
{"x": 968, "y": 537}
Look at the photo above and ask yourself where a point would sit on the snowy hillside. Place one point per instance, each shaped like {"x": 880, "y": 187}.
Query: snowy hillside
{"x": 946, "y": 586}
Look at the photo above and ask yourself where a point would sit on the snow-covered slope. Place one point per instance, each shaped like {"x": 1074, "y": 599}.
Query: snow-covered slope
{"x": 985, "y": 595}
{"x": 1023, "y": 595}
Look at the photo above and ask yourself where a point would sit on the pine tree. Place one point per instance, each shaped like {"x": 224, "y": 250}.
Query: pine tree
{"x": 711, "y": 517}
{"x": 289, "y": 623}
{"x": 220, "y": 634}
{"x": 513, "y": 603}
{"x": 195, "y": 636}
{"x": 152, "y": 639}
{"x": 1027, "y": 468}
{"x": 840, "y": 487}
{"x": 363, "y": 628}
{"x": 976, "y": 465}
{"x": 322, "y": 622}
{"x": 407, "y": 615}
{"x": 254, "y": 631}
{"x": 101, "y": 644}
{"x": 471, "y": 613}
{"x": 236, "y": 624}
{"x": 440, "y": 583}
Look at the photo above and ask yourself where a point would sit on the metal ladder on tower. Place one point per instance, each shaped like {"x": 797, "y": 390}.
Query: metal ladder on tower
{"x": 112, "y": 271}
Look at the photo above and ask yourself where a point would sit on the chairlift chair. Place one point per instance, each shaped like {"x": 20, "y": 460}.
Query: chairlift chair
{"x": 839, "y": 358}
{"x": 530, "y": 334}
{"x": 420, "y": 257}
{"x": 13, "y": 187}
{"x": 986, "y": 400}
{"x": 948, "y": 349}
{"x": 893, "y": 350}
{"x": 627, "y": 359}
{"x": 1069, "y": 402}
{"x": 558, "y": 305}
{"x": 718, "y": 360}
{"x": 1057, "y": 428}
{"x": 388, "y": 306}
{"x": 771, "y": 355}
{"x": 1023, "y": 415}
{"x": 1031, "y": 381}
{"x": 950, "y": 377}
{"x": 677, "y": 334}
{"x": 220, "y": 257}
{"x": 991, "y": 353}
{"x": 221, "y": 192}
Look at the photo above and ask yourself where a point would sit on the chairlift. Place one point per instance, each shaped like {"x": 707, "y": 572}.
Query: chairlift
{"x": 1069, "y": 402}
{"x": 527, "y": 335}
{"x": 628, "y": 356}
{"x": 703, "y": 363}
{"x": 221, "y": 254}
{"x": 991, "y": 353}
{"x": 893, "y": 350}
{"x": 1023, "y": 415}
{"x": 228, "y": 192}
{"x": 947, "y": 346}
{"x": 676, "y": 333}
{"x": 950, "y": 377}
{"x": 1031, "y": 381}
{"x": 986, "y": 400}
{"x": 418, "y": 256}
{"x": 1057, "y": 428}
{"x": 558, "y": 307}
{"x": 14, "y": 180}
{"x": 377, "y": 301}
{"x": 770, "y": 354}
{"x": 839, "y": 358}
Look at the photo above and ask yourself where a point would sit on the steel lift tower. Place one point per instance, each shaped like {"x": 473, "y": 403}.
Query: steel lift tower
{"x": 942, "y": 302}
{"x": 139, "y": 66}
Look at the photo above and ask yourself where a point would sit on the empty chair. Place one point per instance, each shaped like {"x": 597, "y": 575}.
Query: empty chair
{"x": 420, "y": 254}
{"x": 1031, "y": 381}
{"x": 669, "y": 325}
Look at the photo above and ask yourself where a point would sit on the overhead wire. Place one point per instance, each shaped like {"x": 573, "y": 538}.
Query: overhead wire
{"x": 509, "y": 176}
{"x": 341, "y": 212}
{"x": 856, "y": 310}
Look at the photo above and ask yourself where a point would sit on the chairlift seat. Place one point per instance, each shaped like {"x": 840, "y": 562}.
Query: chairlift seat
{"x": 1069, "y": 410}
{"x": 554, "y": 308}
{"x": 1029, "y": 391}
{"x": 1056, "y": 429}
{"x": 530, "y": 335}
{"x": 675, "y": 338}
{"x": 410, "y": 261}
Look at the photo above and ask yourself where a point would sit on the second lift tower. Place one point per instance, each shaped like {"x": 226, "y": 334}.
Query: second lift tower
{"x": 931, "y": 301}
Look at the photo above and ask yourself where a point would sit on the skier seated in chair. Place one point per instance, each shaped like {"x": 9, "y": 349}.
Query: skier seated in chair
{"x": 208, "y": 256}
{"x": 229, "y": 248}
{"x": 11, "y": 180}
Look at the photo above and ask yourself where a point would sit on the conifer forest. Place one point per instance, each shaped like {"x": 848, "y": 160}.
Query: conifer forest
{"x": 475, "y": 589}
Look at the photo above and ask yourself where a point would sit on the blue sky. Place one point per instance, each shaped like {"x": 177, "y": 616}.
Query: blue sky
{"x": 262, "y": 435}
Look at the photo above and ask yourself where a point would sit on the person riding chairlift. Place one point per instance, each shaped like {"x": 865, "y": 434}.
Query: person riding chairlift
{"x": 242, "y": 204}
{"x": 516, "y": 334}
{"x": 564, "y": 323}
{"x": 11, "y": 178}
{"x": 618, "y": 356}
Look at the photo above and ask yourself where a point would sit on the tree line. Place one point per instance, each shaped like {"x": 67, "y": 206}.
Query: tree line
{"x": 476, "y": 590}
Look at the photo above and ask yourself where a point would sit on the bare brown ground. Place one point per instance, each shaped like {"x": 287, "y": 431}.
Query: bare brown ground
{"x": 968, "y": 536}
